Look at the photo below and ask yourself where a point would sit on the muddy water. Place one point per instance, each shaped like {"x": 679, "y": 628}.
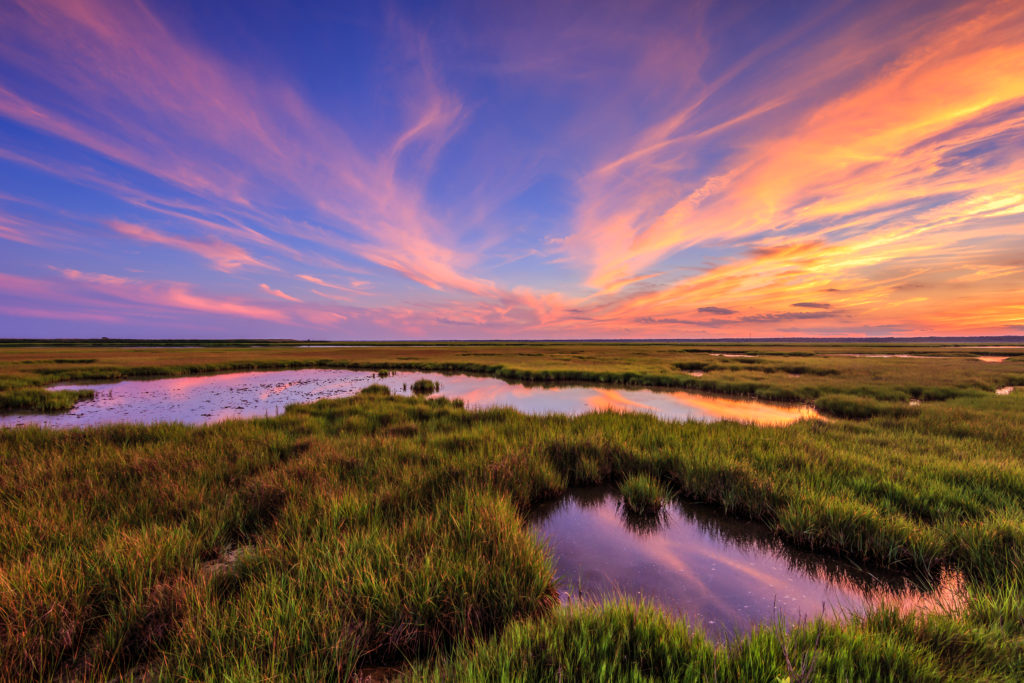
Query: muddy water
{"x": 206, "y": 399}
{"x": 725, "y": 574}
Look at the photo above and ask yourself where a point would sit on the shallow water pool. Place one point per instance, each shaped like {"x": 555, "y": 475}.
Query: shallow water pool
{"x": 728, "y": 575}
{"x": 211, "y": 398}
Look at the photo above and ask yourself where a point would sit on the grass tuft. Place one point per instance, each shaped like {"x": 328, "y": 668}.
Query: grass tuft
{"x": 642, "y": 494}
{"x": 375, "y": 390}
{"x": 425, "y": 386}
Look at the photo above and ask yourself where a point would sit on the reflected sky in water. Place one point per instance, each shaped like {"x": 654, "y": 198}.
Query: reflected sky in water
{"x": 722, "y": 573}
{"x": 211, "y": 398}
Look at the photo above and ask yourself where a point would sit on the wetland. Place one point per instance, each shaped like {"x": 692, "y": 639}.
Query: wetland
{"x": 360, "y": 528}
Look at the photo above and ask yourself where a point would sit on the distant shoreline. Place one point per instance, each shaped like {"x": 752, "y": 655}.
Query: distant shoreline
{"x": 11, "y": 341}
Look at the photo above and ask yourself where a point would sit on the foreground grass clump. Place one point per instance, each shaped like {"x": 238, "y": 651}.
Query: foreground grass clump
{"x": 388, "y": 531}
{"x": 642, "y": 494}
{"x": 628, "y": 642}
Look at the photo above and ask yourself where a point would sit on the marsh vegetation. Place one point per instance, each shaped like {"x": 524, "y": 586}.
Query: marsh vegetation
{"x": 387, "y": 531}
{"x": 642, "y": 494}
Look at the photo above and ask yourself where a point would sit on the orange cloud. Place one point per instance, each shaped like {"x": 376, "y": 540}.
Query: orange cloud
{"x": 878, "y": 178}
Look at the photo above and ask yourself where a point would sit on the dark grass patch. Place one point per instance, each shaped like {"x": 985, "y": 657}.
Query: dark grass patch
{"x": 425, "y": 386}
{"x": 694, "y": 366}
{"x": 42, "y": 400}
{"x": 853, "y": 407}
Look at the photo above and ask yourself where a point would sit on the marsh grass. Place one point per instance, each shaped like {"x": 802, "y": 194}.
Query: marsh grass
{"x": 854, "y": 407}
{"x": 37, "y": 400}
{"x": 624, "y": 641}
{"x": 425, "y": 386}
{"x": 642, "y": 494}
{"x": 936, "y": 372}
{"x": 382, "y": 531}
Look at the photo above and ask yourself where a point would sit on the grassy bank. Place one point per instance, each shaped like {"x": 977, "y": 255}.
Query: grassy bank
{"x": 37, "y": 400}
{"x": 384, "y": 531}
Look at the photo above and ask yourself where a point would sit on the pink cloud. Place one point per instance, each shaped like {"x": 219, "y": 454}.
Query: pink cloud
{"x": 31, "y": 312}
{"x": 225, "y": 256}
{"x": 331, "y": 285}
{"x": 278, "y": 293}
{"x": 8, "y": 232}
{"x": 332, "y": 297}
{"x": 229, "y": 136}
{"x": 171, "y": 295}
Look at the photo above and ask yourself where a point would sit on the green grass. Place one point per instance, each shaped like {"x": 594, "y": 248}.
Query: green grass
{"x": 425, "y": 386}
{"x": 37, "y": 400}
{"x": 379, "y": 530}
{"x": 628, "y": 642}
{"x": 853, "y": 407}
{"x": 388, "y": 531}
{"x": 642, "y": 494}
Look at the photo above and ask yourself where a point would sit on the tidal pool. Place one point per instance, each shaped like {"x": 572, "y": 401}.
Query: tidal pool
{"x": 211, "y": 398}
{"x": 984, "y": 359}
{"x": 889, "y": 355}
{"x": 724, "y": 574}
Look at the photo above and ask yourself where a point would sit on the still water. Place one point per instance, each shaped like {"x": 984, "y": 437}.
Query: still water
{"x": 727, "y": 575}
{"x": 206, "y": 399}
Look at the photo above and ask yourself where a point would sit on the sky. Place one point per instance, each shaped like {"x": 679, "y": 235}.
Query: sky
{"x": 497, "y": 170}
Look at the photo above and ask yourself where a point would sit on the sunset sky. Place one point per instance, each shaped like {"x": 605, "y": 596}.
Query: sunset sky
{"x": 521, "y": 170}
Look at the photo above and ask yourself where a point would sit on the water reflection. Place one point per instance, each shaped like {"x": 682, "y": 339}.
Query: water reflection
{"x": 206, "y": 399}
{"x": 888, "y": 355}
{"x": 726, "y": 574}
{"x": 984, "y": 359}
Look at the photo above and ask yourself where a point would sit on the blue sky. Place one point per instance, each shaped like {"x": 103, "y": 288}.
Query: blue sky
{"x": 486, "y": 170}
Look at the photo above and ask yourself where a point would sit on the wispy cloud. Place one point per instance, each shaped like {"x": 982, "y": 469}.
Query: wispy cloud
{"x": 278, "y": 293}
{"x": 224, "y": 256}
{"x": 891, "y": 139}
{"x": 170, "y": 295}
{"x": 227, "y": 135}
{"x": 585, "y": 169}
